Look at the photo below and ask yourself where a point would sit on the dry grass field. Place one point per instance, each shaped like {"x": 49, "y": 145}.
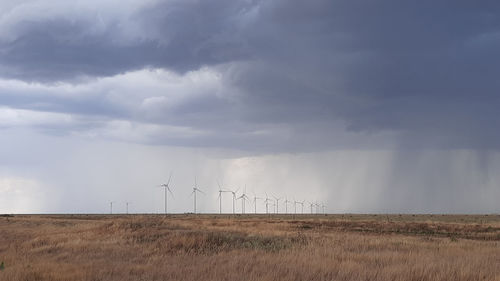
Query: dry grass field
{"x": 208, "y": 247}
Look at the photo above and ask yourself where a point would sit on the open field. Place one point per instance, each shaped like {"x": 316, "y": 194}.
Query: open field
{"x": 212, "y": 247}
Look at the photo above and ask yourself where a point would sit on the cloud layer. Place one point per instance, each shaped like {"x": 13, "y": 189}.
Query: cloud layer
{"x": 256, "y": 74}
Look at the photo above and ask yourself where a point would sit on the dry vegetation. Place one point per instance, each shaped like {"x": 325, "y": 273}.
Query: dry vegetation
{"x": 341, "y": 247}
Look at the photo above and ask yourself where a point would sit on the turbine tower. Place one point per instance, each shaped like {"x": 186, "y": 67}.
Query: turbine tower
{"x": 111, "y": 207}
{"x": 196, "y": 189}
{"x": 166, "y": 187}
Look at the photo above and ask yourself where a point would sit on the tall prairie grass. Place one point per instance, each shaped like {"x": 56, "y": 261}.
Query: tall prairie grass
{"x": 342, "y": 247}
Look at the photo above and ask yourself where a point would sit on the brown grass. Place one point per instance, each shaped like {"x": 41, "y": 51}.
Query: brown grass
{"x": 182, "y": 247}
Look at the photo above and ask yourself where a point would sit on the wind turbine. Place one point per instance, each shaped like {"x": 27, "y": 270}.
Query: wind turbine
{"x": 195, "y": 189}
{"x": 267, "y": 204}
{"x": 277, "y": 203}
{"x": 243, "y": 197}
{"x": 311, "y": 204}
{"x": 166, "y": 187}
{"x": 273, "y": 205}
{"x": 111, "y": 207}
{"x": 318, "y": 206}
{"x": 302, "y": 204}
{"x": 255, "y": 202}
{"x": 323, "y": 206}
{"x": 220, "y": 197}
{"x": 286, "y": 205}
{"x": 127, "y": 203}
{"x": 295, "y": 206}
{"x": 234, "y": 197}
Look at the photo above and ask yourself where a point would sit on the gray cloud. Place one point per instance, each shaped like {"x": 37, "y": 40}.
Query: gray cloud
{"x": 291, "y": 75}
{"x": 64, "y": 45}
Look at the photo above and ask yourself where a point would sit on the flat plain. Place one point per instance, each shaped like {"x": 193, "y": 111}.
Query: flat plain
{"x": 250, "y": 247}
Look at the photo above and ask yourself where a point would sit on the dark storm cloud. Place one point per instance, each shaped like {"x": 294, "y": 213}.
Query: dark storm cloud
{"x": 426, "y": 70}
{"x": 179, "y": 35}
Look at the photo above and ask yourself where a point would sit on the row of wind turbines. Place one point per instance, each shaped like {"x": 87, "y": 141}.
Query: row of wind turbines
{"x": 315, "y": 207}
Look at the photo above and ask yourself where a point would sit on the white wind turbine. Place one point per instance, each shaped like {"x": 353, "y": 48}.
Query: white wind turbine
{"x": 166, "y": 187}
{"x": 196, "y": 189}
{"x": 111, "y": 207}
{"x": 127, "y": 203}
{"x": 295, "y": 205}
{"x": 267, "y": 204}
{"x": 302, "y": 204}
{"x": 243, "y": 197}
{"x": 234, "y": 197}
{"x": 220, "y": 197}
{"x": 273, "y": 205}
{"x": 277, "y": 203}
{"x": 312, "y": 205}
{"x": 286, "y": 204}
{"x": 255, "y": 202}
{"x": 318, "y": 206}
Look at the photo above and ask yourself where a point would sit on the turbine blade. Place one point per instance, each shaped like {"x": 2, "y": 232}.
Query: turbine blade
{"x": 169, "y": 178}
{"x": 170, "y": 191}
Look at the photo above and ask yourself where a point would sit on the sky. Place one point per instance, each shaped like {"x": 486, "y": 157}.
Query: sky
{"x": 363, "y": 106}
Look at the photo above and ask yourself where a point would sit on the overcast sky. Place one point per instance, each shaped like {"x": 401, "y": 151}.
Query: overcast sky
{"x": 365, "y": 106}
